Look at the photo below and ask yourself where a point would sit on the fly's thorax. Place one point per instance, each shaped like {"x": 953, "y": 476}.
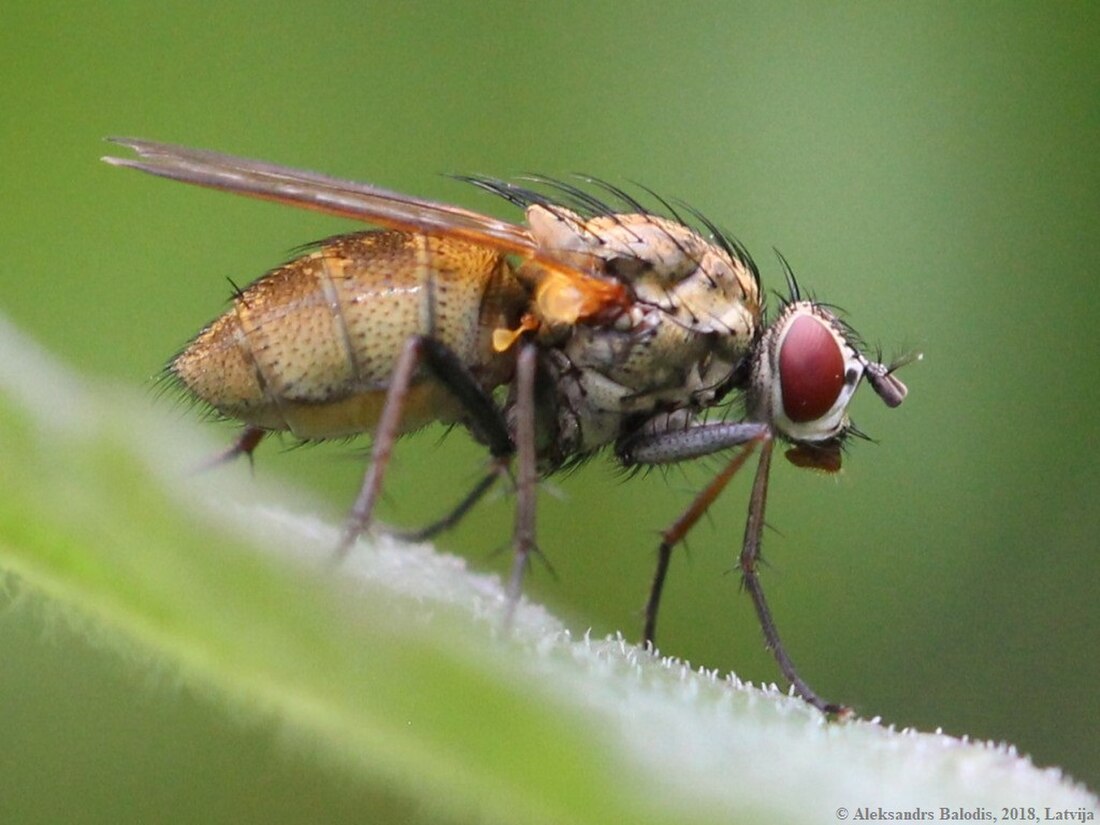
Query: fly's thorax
{"x": 310, "y": 347}
{"x": 690, "y": 299}
{"x": 664, "y": 264}
{"x": 655, "y": 361}
{"x": 690, "y": 320}
{"x": 596, "y": 400}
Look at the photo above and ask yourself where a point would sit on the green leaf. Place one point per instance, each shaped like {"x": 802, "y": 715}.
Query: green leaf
{"x": 393, "y": 664}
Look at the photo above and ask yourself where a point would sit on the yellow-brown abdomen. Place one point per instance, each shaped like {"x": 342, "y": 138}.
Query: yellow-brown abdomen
{"x": 311, "y": 345}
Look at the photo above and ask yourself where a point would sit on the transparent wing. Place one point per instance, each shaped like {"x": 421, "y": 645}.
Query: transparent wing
{"x": 583, "y": 293}
{"x": 321, "y": 193}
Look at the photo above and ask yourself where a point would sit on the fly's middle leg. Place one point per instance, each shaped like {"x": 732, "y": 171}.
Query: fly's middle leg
{"x": 500, "y": 467}
{"x": 523, "y": 536}
{"x": 447, "y": 369}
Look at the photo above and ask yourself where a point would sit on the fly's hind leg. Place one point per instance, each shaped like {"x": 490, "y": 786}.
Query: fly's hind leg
{"x": 493, "y": 430}
{"x": 246, "y": 444}
{"x": 484, "y": 418}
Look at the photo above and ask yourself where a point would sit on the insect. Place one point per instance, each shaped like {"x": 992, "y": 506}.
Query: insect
{"x": 592, "y": 326}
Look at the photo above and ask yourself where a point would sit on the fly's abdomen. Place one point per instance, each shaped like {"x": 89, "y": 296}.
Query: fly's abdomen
{"x": 310, "y": 347}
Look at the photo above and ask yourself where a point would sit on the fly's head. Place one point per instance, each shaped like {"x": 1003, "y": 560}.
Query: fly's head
{"x": 805, "y": 370}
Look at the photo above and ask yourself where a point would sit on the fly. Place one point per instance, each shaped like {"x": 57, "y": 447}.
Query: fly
{"x": 591, "y": 326}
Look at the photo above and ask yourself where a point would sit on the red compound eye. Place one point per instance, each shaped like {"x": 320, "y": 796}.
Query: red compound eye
{"x": 811, "y": 370}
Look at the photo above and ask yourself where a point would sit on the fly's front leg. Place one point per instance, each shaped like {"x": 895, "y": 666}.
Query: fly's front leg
{"x": 674, "y": 445}
{"x": 484, "y": 418}
{"x": 750, "y": 555}
{"x": 699, "y": 440}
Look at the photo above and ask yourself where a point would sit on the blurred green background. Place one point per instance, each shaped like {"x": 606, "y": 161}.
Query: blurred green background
{"x": 931, "y": 168}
